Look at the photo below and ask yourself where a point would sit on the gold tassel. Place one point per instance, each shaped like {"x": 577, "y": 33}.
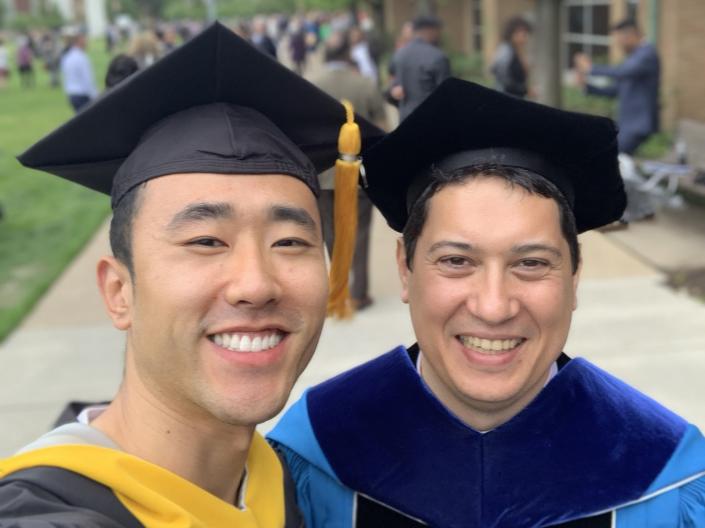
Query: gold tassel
{"x": 347, "y": 172}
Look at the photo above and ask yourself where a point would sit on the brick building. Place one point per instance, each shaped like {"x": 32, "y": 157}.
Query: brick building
{"x": 677, "y": 26}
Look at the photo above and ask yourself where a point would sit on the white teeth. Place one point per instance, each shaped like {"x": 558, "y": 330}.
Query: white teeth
{"x": 247, "y": 343}
{"x": 489, "y": 346}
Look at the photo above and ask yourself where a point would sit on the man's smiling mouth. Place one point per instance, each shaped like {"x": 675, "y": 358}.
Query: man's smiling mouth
{"x": 248, "y": 341}
{"x": 490, "y": 346}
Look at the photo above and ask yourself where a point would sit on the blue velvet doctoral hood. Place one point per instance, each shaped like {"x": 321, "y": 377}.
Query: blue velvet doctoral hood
{"x": 587, "y": 444}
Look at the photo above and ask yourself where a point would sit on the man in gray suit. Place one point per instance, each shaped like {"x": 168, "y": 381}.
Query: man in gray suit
{"x": 635, "y": 84}
{"x": 420, "y": 66}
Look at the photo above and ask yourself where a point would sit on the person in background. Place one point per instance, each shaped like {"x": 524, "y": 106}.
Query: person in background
{"x": 77, "y": 73}
{"x": 510, "y": 66}
{"x": 406, "y": 34}
{"x": 119, "y": 69}
{"x": 340, "y": 79}
{"x": 4, "y": 64}
{"x": 297, "y": 45}
{"x": 360, "y": 54}
{"x": 420, "y": 66}
{"x": 50, "y": 50}
{"x": 25, "y": 60}
{"x": 168, "y": 39}
{"x": 260, "y": 39}
{"x": 635, "y": 84}
{"x": 145, "y": 49}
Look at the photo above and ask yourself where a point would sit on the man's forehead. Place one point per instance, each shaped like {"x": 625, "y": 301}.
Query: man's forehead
{"x": 475, "y": 203}
{"x": 231, "y": 195}
{"x": 246, "y": 186}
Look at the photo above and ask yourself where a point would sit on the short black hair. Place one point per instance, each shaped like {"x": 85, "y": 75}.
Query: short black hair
{"x": 513, "y": 25}
{"x": 527, "y": 180}
{"x": 426, "y": 22}
{"x": 627, "y": 23}
{"x": 119, "y": 69}
{"x": 121, "y": 226}
{"x": 337, "y": 47}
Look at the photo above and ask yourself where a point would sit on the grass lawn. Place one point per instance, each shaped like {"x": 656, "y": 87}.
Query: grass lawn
{"x": 46, "y": 220}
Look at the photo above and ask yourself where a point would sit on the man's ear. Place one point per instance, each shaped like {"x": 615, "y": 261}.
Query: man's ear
{"x": 115, "y": 285}
{"x": 403, "y": 270}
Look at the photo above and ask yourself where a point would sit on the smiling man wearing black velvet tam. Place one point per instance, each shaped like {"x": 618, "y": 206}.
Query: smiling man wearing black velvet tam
{"x": 218, "y": 278}
{"x": 486, "y": 422}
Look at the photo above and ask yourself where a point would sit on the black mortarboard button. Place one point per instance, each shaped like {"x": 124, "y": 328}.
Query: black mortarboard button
{"x": 216, "y": 104}
{"x": 462, "y": 124}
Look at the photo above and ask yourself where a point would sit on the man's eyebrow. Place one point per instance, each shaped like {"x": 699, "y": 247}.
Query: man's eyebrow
{"x": 198, "y": 212}
{"x": 530, "y": 248}
{"x": 297, "y": 215}
{"x": 461, "y": 246}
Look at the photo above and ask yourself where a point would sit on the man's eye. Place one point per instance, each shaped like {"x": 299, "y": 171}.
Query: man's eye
{"x": 206, "y": 242}
{"x": 291, "y": 242}
{"x": 533, "y": 264}
{"x": 454, "y": 262}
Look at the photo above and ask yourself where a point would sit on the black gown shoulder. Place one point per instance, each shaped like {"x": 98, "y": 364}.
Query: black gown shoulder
{"x": 50, "y": 497}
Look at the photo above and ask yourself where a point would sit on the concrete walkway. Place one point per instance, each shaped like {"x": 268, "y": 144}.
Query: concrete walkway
{"x": 627, "y": 322}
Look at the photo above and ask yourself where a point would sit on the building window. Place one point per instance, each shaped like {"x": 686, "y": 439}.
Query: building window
{"x": 633, "y": 9}
{"x": 587, "y": 24}
{"x": 476, "y": 6}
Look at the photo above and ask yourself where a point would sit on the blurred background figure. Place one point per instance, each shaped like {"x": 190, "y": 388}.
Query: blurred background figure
{"x": 4, "y": 64}
{"x": 168, "y": 39}
{"x": 260, "y": 38}
{"x": 77, "y": 72}
{"x": 360, "y": 54}
{"x": 119, "y": 69}
{"x": 242, "y": 29}
{"x": 50, "y": 50}
{"x": 111, "y": 38}
{"x": 510, "y": 66}
{"x": 406, "y": 34}
{"x": 144, "y": 48}
{"x": 311, "y": 26}
{"x": 635, "y": 84}
{"x": 420, "y": 66}
{"x": 25, "y": 61}
{"x": 297, "y": 46}
{"x": 341, "y": 79}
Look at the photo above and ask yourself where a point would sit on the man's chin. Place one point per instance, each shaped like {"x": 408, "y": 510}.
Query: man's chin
{"x": 248, "y": 412}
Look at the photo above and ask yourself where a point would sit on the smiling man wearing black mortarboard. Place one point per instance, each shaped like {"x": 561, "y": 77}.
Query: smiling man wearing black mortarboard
{"x": 218, "y": 278}
{"x": 485, "y": 422}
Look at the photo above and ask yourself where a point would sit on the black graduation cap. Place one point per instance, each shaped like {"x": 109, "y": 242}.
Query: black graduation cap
{"x": 462, "y": 124}
{"x": 216, "y": 104}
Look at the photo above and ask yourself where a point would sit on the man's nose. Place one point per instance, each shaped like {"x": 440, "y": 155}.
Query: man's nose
{"x": 492, "y": 298}
{"x": 253, "y": 281}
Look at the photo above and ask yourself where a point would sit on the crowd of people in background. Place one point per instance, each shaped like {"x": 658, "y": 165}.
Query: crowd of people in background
{"x": 348, "y": 52}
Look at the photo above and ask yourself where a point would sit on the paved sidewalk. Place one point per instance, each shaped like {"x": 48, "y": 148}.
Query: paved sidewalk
{"x": 627, "y": 322}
